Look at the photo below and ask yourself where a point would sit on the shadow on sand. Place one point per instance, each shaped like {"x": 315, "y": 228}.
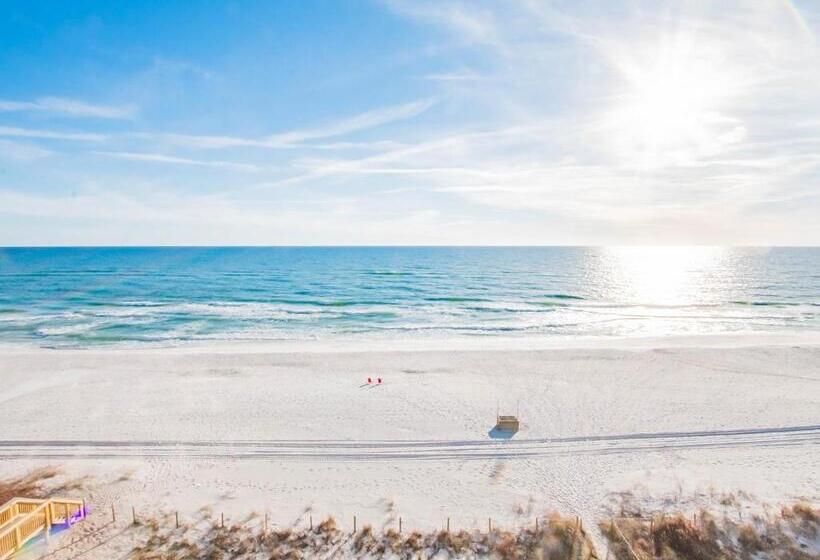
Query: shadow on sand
{"x": 501, "y": 433}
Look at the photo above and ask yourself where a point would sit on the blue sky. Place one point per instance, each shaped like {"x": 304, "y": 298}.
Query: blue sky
{"x": 409, "y": 122}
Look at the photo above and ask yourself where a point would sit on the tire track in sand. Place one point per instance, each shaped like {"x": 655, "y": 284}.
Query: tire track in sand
{"x": 364, "y": 450}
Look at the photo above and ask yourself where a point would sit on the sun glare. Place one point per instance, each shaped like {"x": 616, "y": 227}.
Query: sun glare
{"x": 662, "y": 275}
{"x": 670, "y": 109}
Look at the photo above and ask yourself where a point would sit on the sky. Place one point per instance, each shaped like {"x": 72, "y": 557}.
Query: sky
{"x": 398, "y": 122}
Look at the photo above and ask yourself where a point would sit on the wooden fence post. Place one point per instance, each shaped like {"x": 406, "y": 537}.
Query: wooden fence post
{"x": 222, "y": 520}
{"x": 176, "y": 515}
{"x": 266, "y": 524}
{"x": 113, "y": 514}
{"x": 354, "y": 523}
{"x": 489, "y": 525}
{"x": 400, "y": 525}
{"x": 448, "y": 524}
{"x": 311, "y": 522}
{"x": 536, "y": 524}
{"x": 134, "y": 515}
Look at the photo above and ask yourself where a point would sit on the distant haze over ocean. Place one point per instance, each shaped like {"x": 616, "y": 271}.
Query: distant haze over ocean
{"x": 94, "y": 296}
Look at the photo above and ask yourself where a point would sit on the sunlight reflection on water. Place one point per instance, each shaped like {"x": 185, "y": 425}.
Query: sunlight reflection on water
{"x": 114, "y": 295}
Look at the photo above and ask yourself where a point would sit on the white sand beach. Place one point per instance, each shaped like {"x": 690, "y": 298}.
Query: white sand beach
{"x": 292, "y": 428}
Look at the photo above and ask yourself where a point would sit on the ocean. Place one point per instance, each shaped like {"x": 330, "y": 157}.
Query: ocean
{"x": 102, "y": 296}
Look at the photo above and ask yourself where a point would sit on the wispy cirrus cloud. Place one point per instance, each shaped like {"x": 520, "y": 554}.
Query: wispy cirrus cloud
{"x": 455, "y": 76}
{"x": 21, "y": 151}
{"x": 304, "y": 138}
{"x": 291, "y": 140}
{"x": 69, "y": 108}
{"x": 362, "y": 121}
{"x": 164, "y": 158}
{"x": 215, "y": 142}
{"x": 469, "y": 21}
{"x": 10, "y": 131}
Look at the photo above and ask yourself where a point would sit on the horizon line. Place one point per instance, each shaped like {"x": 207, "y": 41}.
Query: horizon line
{"x": 399, "y": 246}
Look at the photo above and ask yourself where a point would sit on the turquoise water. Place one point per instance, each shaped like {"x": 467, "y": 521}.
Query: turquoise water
{"x": 92, "y": 296}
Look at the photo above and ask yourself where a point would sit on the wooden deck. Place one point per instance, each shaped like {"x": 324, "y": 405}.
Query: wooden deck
{"x": 22, "y": 519}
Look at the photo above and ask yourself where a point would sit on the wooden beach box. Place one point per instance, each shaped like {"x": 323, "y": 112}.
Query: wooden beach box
{"x": 507, "y": 423}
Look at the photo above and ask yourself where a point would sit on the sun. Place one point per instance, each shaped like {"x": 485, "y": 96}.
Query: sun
{"x": 672, "y": 100}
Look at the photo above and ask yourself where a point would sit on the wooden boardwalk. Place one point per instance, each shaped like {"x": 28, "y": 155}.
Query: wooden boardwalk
{"x": 23, "y": 519}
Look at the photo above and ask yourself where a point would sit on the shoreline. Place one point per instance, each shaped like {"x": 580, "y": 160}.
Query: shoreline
{"x": 338, "y": 344}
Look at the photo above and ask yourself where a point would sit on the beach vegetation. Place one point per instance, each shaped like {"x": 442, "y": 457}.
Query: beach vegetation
{"x": 789, "y": 534}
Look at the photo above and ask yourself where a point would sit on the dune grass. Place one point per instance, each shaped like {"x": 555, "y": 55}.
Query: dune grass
{"x": 37, "y": 484}
{"x": 558, "y": 538}
{"x": 790, "y": 534}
